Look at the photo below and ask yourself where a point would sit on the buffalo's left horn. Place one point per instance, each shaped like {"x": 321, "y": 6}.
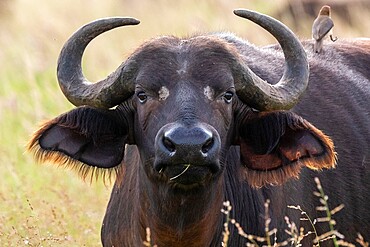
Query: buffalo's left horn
{"x": 78, "y": 90}
{"x": 261, "y": 95}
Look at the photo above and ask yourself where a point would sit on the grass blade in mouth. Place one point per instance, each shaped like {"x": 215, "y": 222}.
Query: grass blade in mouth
{"x": 186, "y": 168}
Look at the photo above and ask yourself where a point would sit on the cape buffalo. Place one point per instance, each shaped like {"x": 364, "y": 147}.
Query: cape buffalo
{"x": 186, "y": 124}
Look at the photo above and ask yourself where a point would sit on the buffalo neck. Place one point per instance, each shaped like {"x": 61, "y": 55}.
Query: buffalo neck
{"x": 181, "y": 218}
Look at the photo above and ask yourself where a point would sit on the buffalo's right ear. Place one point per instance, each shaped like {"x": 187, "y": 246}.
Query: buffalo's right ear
{"x": 89, "y": 140}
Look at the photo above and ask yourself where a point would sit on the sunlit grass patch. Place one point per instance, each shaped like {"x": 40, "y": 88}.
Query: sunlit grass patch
{"x": 45, "y": 211}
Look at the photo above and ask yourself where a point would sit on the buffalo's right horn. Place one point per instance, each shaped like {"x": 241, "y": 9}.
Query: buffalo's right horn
{"x": 78, "y": 90}
{"x": 261, "y": 95}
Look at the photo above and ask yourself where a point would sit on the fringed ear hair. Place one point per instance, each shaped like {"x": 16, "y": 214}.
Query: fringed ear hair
{"x": 94, "y": 149}
{"x": 277, "y": 145}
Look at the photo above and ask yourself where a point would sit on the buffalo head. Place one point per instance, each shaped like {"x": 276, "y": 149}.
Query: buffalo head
{"x": 184, "y": 103}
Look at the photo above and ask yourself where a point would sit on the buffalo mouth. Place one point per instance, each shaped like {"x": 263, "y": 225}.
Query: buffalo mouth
{"x": 187, "y": 155}
{"x": 187, "y": 175}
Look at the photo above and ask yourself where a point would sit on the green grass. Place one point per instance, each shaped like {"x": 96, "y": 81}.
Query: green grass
{"x": 41, "y": 205}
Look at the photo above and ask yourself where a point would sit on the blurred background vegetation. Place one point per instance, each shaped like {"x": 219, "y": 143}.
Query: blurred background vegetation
{"x": 41, "y": 205}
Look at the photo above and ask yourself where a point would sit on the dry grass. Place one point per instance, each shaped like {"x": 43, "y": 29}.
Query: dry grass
{"x": 45, "y": 206}
{"x": 296, "y": 235}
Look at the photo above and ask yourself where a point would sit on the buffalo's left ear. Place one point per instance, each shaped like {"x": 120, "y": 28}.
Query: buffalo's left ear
{"x": 86, "y": 139}
{"x": 274, "y": 146}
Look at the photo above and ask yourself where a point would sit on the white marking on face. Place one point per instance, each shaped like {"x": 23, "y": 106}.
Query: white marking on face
{"x": 209, "y": 93}
{"x": 183, "y": 69}
{"x": 163, "y": 93}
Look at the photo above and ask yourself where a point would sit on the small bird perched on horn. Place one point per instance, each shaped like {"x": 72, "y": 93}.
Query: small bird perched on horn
{"x": 322, "y": 26}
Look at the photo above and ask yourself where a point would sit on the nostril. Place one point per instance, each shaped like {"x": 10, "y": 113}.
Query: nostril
{"x": 208, "y": 145}
{"x": 168, "y": 144}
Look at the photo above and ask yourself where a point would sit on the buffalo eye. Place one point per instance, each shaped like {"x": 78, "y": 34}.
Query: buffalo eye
{"x": 228, "y": 96}
{"x": 142, "y": 97}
